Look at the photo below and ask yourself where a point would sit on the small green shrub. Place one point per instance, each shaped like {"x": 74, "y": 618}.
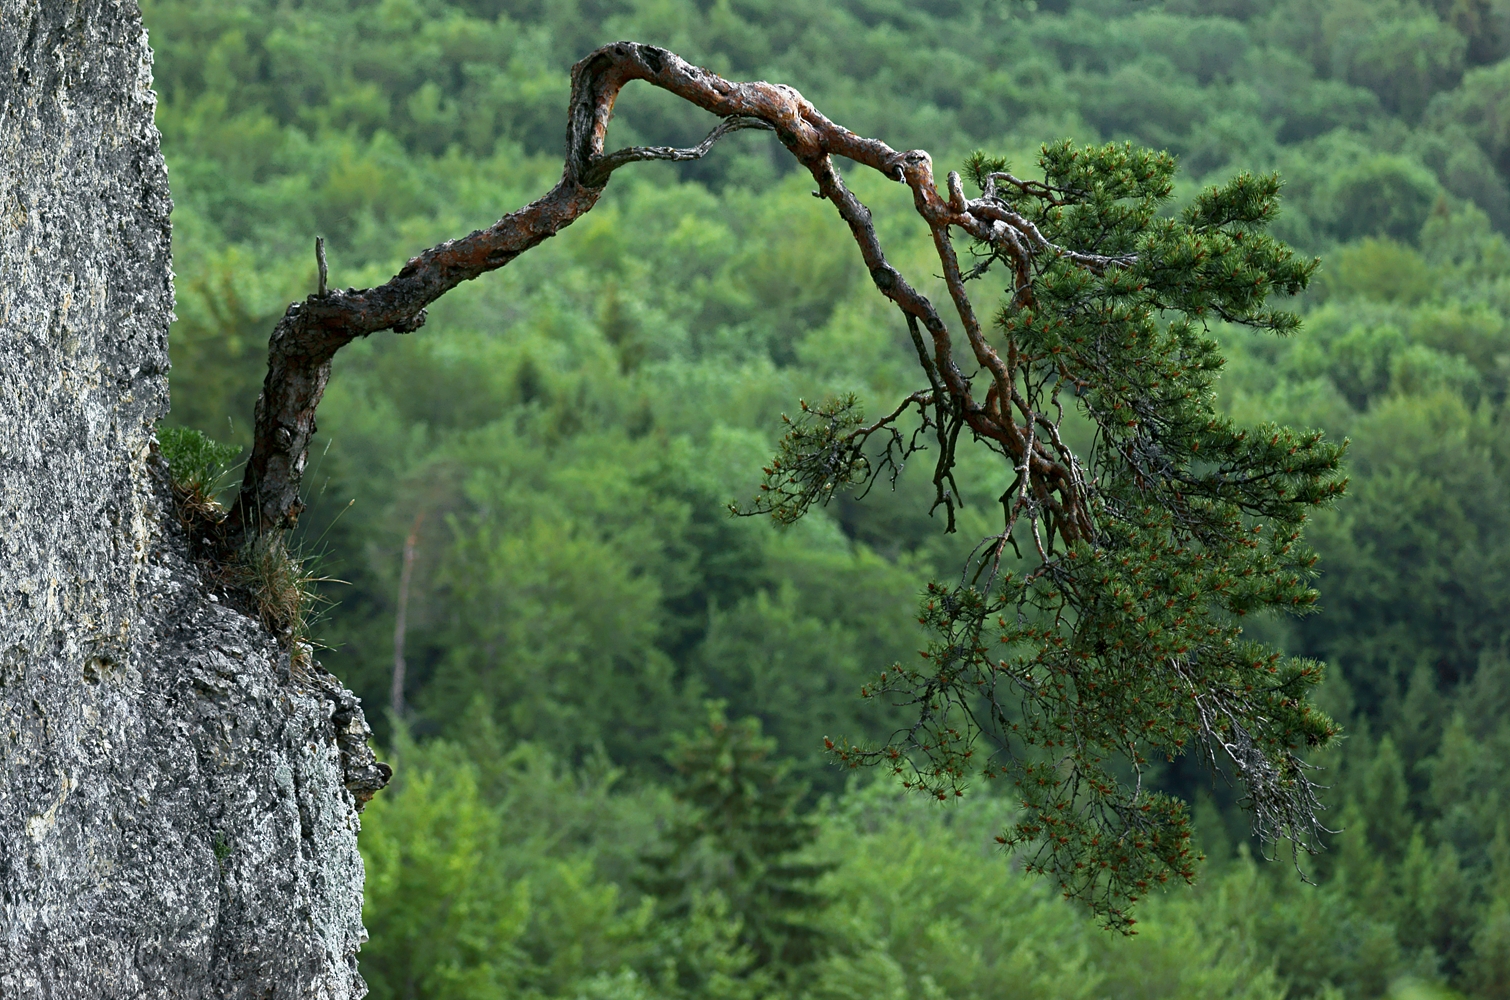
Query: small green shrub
{"x": 198, "y": 464}
{"x": 278, "y": 583}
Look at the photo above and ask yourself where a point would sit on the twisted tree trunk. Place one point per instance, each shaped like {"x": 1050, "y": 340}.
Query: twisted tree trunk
{"x": 1104, "y": 318}
{"x": 311, "y": 332}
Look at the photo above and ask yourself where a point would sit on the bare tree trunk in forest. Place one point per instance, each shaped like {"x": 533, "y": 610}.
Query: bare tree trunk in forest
{"x": 401, "y": 618}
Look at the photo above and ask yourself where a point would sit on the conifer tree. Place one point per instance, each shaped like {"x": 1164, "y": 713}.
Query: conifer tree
{"x": 1101, "y": 625}
{"x": 743, "y": 837}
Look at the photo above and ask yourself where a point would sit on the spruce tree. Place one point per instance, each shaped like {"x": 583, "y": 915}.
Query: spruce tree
{"x": 743, "y": 835}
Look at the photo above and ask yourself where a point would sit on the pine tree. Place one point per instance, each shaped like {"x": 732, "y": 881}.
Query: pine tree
{"x": 1488, "y": 970}
{"x": 1102, "y": 624}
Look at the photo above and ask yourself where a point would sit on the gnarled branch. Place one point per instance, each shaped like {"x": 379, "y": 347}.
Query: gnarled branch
{"x": 311, "y": 332}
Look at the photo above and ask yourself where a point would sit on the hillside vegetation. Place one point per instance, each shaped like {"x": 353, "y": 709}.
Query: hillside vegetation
{"x": 563, "y": 437}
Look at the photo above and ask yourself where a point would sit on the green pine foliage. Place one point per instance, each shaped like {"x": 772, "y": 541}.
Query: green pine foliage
{"x": 1118, "y": 637}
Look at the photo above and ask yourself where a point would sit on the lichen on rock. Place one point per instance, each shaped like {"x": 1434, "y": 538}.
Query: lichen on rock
{"x": 178, "y": 808}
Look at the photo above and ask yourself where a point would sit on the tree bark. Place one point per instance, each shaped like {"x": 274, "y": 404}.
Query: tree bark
{"x": 401, "y": 619}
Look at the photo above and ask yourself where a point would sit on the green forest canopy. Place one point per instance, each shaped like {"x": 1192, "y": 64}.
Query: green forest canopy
{"x": 572, "y": 426}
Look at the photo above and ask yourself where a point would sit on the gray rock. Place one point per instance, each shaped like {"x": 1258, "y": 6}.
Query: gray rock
{"x": 178, "y": 808}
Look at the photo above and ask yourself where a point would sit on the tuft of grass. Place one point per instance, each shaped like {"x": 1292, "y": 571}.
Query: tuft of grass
{"x": 283, "y": 588}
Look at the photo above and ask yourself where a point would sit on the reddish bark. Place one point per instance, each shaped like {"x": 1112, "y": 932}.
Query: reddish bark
{"x": 311, "y": 332}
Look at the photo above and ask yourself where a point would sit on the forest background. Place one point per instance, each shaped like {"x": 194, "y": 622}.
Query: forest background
{"x": 575, "y": 815}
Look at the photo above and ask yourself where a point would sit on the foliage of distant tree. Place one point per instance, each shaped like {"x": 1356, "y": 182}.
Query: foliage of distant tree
{"x": 576, "y": 409}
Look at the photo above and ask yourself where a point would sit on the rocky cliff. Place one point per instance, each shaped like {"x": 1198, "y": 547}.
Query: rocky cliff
{"x": 178, "y": 809}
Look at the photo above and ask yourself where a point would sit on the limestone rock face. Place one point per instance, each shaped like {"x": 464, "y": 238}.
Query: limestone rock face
{"x": 178, "y": 809}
